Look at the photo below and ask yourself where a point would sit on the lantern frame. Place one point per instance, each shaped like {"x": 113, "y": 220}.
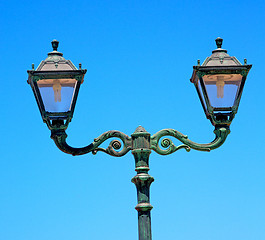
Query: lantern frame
{"x": 55, "y": 120}
{"x": 219, "y": 115}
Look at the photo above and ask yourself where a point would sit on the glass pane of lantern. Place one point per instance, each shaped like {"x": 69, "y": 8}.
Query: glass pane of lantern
{"x": 57, "y": 94}
{"x": 201, "y": 94}
{"x": 222, "y": 89}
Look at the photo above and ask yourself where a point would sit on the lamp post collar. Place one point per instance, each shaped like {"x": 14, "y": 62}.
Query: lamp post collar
{"x": 140, "y": 129}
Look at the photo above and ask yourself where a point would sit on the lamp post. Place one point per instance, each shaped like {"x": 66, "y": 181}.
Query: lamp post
{"x": 219, "y": 82}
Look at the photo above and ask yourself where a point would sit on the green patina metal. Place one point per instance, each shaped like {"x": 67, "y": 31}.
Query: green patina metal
{"x": 220, "y": 132}
{"x": 59, "y": 136}
{"x": 141, "y": 151}
{"x": 141, "y": 143}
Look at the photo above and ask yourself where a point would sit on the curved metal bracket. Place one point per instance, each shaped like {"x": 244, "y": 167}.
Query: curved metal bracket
{"x": 220, "y": 132}
{"x": 59, "y": 136}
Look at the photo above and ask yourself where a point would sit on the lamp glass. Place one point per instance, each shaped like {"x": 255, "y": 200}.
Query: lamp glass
{"x": 57, "y": 94}
{"x": 201, "y": 94}
{"x": 222, "y": 89}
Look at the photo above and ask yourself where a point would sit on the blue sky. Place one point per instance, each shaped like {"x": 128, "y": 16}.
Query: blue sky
{"x": 139, "y": 57}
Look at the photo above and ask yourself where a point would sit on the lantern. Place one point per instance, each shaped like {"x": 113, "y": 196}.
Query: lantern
{"x": 219, "y": 82}
{"x": 55, "y": 84}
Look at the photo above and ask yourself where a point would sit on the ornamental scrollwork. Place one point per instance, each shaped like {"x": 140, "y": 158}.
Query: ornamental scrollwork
{"x": 114, "y": 145}
{"x": 122, "y": 146}
{"x": 167, "y": 143}
{"x": 59, "y": 136}
{"x": 221, "y": 133}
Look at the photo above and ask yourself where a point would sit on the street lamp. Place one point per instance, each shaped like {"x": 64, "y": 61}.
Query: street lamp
{"x": 219, "y": 82}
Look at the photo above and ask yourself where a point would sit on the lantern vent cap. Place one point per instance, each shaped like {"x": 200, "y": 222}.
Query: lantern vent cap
{"x": 219, "y": 42}
{"x": 55, "y": 61}
{"x": 55, "y": 45}
{"x": 220, "y": 57}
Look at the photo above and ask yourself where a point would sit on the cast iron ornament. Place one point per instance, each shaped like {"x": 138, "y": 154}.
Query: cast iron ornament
{"x": 141, "y": 143}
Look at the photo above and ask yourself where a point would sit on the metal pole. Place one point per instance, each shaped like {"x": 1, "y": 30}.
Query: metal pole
{"x": 140, "y": 144}
{"x": 141, "y": 151}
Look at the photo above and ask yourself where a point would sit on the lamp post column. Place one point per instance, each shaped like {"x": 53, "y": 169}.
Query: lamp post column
{"x": 141, "y": 151}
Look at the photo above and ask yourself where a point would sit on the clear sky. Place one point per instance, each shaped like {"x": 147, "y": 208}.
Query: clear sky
{"x": 139, "y": 57}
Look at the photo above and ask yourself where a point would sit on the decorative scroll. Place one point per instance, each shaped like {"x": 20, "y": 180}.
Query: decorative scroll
{"x": 59, "y": 137}
{"x": 114, "y": 144}
{"x": 221, "y": 134}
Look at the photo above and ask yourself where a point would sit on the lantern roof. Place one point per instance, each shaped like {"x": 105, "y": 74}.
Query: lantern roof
{"x": 220, "y": 57}
{"x": 55, "y": 61}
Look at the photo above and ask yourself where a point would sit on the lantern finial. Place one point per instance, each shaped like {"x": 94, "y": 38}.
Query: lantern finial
{"x": 55, "y": 44}
{"x": 219, "y": 42}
